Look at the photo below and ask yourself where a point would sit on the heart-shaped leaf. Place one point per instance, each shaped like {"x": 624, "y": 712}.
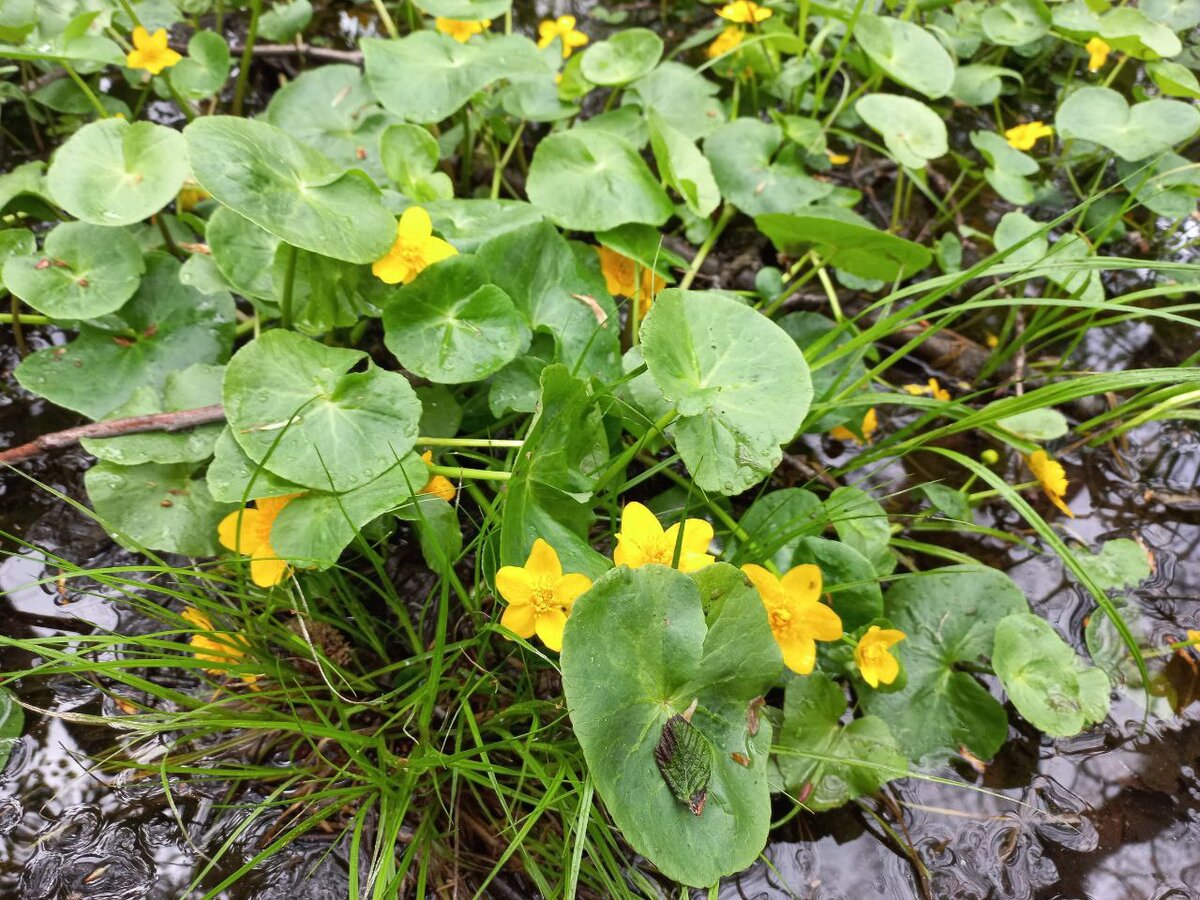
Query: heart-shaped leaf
{"x": 846, "y": 241}
{"x": 754, "y": 174}
{"x": 636, "y": 652}
{"x": 846, "y": 575}
{"x": 1102, "y": 116}
{"x": 290, "y": 189}
{"x": 949, "y": 616}
{"x": 1174, "y": 80}
{"x": 1131, "y": 31}
{"x": 409, "y": 154}
{"x": 1046, "y": 681}
{"x": 113, "y": 173}
{"x": 469, "y": 223}
{"x": 1120, "y": 564}
{"x": 978, "y": 84}
{"x": 683, "y": 167}
{"x": 682, "y": 96}
{"x": 294, "y": 406}
{"x": 167, "y": 325}
{"x": 1045, "y": 424}
{"x": 1178, "y": 15}
{"x": 284, "y": 20}
{"x": 624, "y": 57}
{"x": 907, "y": 52}
{"x": 205, "y": 68}
{"x": 913, "y": 133}
{"x": 777, "y": 522}
{"x": 452, "y": 324}
{"x": 740, "y": 384}
{"x": 428, "y": 76}
{"x": 84, "y": 272}
{"x": 1015, "y": 23}
{"x": 862, "y": 524}
{"x": 233, "y": 477}
{"x": 594, "y": 182}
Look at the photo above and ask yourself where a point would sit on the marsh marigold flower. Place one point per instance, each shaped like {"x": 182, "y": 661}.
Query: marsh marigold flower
{"x": 1023, "y": 137}
{"x": 837, "y": 159}
{"x": 218, "y": 647}
{"x": 642, "y": 540}
{"x": 869, "y": 423}
{"x": 727, "y": 40}
{"x": 875, "y": 663}
{"x": 562, "y": 28}
{"x": 248, "y": 531}
{"x": 459, "y": 29}
{"x": 744, "y": 12}
{"x": 623, "y": 280}
{"x": 1098, "y": 51}
{"x": 1051, "y": 477}
{"x": 438, "y": 485}
{"x": 797, "y": 616}
{"x": 415, "y": 249}
{"x": 932, "y": 389}
{"x": 539, "y": 595}
{"x": 150, "y": 51}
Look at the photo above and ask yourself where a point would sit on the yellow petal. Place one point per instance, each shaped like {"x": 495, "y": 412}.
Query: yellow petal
{"x": 435, "y": 250}
{"x": 392, "y": 269}
{"x": 768, "y": 586}
{"x": 550, "y": 628}
{"x": 889, "y": 636}
{"x": 818, "y": 621}
{"x": 169, "y": 58}
{"x": 802, "y": 584}
{"x": 889, "y": 668}
{"x": 195, "y": 617}
{"x": 158, "y": 40}
{"x": 565, "y": 23}
{"x": 415, "y": 225}
{"x": 639, "y": 524}
{"x": 799, "y": 654}
{"x": 266, "y": 568}
{"x": 141, "y": 37}
{"x": 241, "y": 530}
{"x": 516, "y": 586}
{"x": 519, "y": 619}
{"x": 441, "y": 487}
{"x": 697, "y": 535}
{"x": 543, "y": 562}
{"x": 571, "y": 587}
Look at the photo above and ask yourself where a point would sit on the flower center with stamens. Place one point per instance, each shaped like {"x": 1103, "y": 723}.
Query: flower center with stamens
{"x": 780, "y": 619}
{"x": 544, "y": 598}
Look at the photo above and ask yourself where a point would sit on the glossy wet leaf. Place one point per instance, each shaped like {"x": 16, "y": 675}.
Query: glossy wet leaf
{"x": 452, "y": 324}
{"x": 828, "y": 763}
{"x": 1102, "y": 116}
{"x": 546, "y": 276}
{"x": 427, "y": 76}
{"x": 1014, "y": 23}
{"x": 1048, "y": 684}
{"x": 112, "y": 172}
{"x": 949, "y": 616}
{"x": 291, "y": 190}
{"x": 12, "y": 723}
{"x": 682, "y": 96}
{"x": 1045, "y": 424}
{"x": 83, "y": 272}
{"x": 15, "y": 242}
{"x": 1121, "y": 564}
{"x": 1174, "y": 80}
{"x": 907, "y": 52}
{"x": 165, "y": 326}
{"x": 620, "y": 701}
{"x": 409, "y": 154}
{"x": 327, "y": 293}
{"x": 913, "y": 133}
{"x": 846, "y": 241}
{"x": 204, "y": 69}
{"x": 161, "y": 507}
{"x": 683, "y": 167}
{"x": 754, "y": 174}
{"x": 594, "y": 182}
{"x": 846, "y": 576}
{"x": 294, "y": 406}
{"x": 243, "y": 252}
{"x": 862, "y": 524}
{"x": 1131, "y": 31}
{"x": 740, "y": 384}
{"x": 196, "y": 386}
{"x": 624, "y": 57}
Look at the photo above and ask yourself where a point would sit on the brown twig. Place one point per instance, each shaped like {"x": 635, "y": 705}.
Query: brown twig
{"x": 168, "y": 421}
{"x": 326, "y": 53}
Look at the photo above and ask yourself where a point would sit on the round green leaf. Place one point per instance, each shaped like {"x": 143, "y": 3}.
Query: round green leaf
{"x": 452, "y": 324}
{"x": 15, "y": 242}
{"x": 913, "y": 133}
{"x": 626, "y": 56}
{"x": 862, "y": 524}
{"x": 682, "y": 96}
{"x": 233, "y": 477}
{"x": 535, "y": 101}
{"x": 1046, "y": 681}
{"x": 620, "y": 702}
{"x": 949, "y": 616}
{"x": 205, "y": 68}
{"x": 1120, "y": 564}
{"x": 1102, "y": 116}
{"x": 1014, "y": 23}
{"x": 1129, "y": 30}
{"x": 978, "y": 84}
{"x": 84, "y": 271}
{"x": 163, "y": 508}
{"x": 754, "y": 174}
{"x": 291, "y": 190}
{"x": 1036, "y": 425}
{"x": 594, "y": 182}
{"x": 409, "y": 154}
{"x": 295, "y": 407}
{"x": 1174, "y": 80}
{"x": 469, "y": 223}
{"x": 847, "y": 576}
{"x": 113, "y": 173}
{"x": 1178, "y": 15}
{"x": 284, "y": 20}
{"x": 467, "y": 10}
{"x": 167, "y": 325}
{"x": 776, "y": 523}
{"x": 846, "y": 241}
{"x": 739, "y": 383}
{"x": 243, "y": 252}
{"x": 907, "y": 52}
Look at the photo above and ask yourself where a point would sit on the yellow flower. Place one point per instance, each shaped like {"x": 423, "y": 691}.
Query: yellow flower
{"x": 462, "y": 31}
{"x": 190, "y": 196}
{"x": 725, "y": 41}
{"x": 932, "y": 389}
{"x": 218, "y": 647}
{"x": 993, "y": 341}
{"x": 798, "y": 617}
{"x": 248, "y": 531}
{"x": 414, "y": 249}
{"x": 539, "y": 595}
{"x": 874, "y": 662}
{"x": 744, "y": 12}
{"x": 1023, "y": 137}
{"x": 869, "y": 423}
{"x": 1098, "y": 50}
{"x": 438, "y": 485}
{"x": 621, "y": 279}
{"x": 1052, "y": 478}
{"x": 642, "y": 540}
{"x": 838, "y": 159}
{"x": 562, "y": 28}
{"x": 150, "y": 51}
{"x": 1193, "y": 636}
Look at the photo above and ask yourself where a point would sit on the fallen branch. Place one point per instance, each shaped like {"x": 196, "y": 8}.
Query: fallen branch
{"x": 327, "y": 54}
{"x": 168, "y": 421}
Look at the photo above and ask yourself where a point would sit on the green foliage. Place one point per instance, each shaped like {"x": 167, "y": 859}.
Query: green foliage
{"x": 12, "y": 722}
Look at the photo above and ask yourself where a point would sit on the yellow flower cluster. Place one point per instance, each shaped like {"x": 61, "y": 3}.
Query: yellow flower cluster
{"x": 540, "y": 596}
{"x": 150, "y": 51}
{"x": 562, "y": 28}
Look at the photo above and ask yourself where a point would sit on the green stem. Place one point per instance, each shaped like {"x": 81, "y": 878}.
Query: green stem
{"x": 87, "y": 91}
{"x": 23, "y": 318}
{"x": 239, "y": 91}
{"x": 479, "y": 474}
{"x": 18, "y": 331}
{"x": 388, "y": 23}
{"x": 289, "y": 283}
{"x": 727, "y": 212}
{"x": 502, "y": 162}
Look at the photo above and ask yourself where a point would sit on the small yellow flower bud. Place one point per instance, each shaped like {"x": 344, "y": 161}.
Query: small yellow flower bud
{"x": 989, "y": 457}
